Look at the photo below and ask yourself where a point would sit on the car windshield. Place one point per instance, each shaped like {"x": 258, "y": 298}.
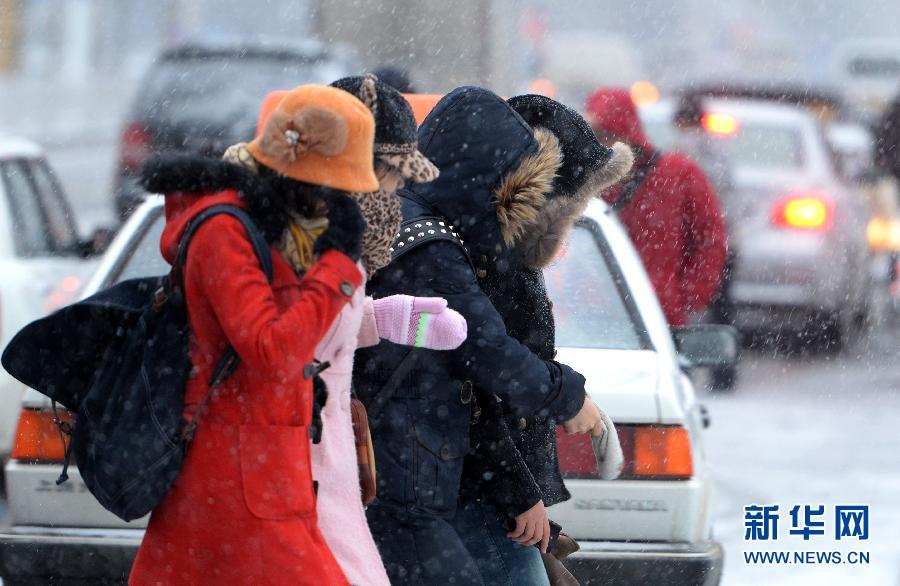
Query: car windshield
{"x": 589, "y": 296}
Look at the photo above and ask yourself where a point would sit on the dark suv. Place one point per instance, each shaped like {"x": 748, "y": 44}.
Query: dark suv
{"x": 201, "y": 98}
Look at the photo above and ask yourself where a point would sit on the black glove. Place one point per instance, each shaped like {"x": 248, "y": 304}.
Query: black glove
{"x": 345, "y": 227}
{"x": 320, "y": 397}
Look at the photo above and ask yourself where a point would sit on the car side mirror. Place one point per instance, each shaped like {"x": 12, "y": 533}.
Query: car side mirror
{"x": 97, "y": 243}
{"x": 707, "y": 345}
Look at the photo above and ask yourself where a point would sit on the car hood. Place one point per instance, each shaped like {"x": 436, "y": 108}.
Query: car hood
{"x": 624, "y": 383}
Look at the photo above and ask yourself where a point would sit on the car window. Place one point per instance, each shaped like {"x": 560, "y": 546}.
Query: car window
{"x": 143, "y": 259}
{"x": 756, "y": 145}
{"x": 29, "y": 230}
{"x": 60, "y": 226}
{"x": 589, "y": 296}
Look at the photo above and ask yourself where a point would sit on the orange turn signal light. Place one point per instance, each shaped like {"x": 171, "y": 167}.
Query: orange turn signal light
{"x": 38, "y": 437}
{"x": 661, "y": 451}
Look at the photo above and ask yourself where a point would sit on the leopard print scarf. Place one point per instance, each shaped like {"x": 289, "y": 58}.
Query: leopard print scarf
{"x": 381, "y": 210}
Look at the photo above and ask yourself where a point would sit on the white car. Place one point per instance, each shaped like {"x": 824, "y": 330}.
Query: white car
{"x": 651, "y": 526}
{"x": 42, "y": 260}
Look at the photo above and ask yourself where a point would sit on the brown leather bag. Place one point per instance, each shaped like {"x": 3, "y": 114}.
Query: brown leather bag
{"x": 365, "y": 453}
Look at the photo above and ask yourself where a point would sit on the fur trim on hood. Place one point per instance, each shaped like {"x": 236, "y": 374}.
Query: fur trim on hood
{"x": 521, "y": 194}
{"x": 538, "y": 246}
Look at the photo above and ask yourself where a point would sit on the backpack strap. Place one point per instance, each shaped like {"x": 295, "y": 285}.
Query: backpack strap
{"x": 389, "y": 388}
{"x": 256, "y": 237}
{"x": 419, "y": 231}
{"x": 636, "y": 181}
{"x": 230, "y": 360}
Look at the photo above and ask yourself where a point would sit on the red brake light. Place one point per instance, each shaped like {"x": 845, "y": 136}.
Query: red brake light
{"x": 803, "y": 212}
{"x": 652, "y": 452}
{"x": 135, "y": 147}
{"x": 719, "y": 123}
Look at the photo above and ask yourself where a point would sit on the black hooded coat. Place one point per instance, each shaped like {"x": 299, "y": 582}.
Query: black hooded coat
{"x": 490, "y": 164}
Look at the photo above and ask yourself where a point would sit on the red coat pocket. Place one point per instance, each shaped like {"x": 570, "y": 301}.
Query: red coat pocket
{"x": 275, "y": 471}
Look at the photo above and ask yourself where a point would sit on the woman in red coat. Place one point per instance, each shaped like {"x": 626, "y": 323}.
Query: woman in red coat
{"x": 243, "y": 510}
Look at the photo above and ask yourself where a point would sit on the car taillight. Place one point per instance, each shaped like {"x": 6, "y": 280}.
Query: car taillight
{"x": 652, "y": 452}
{"x": 719, "y": 123}
{"x": 803, "y": 212}
{"x": 135, "y": 147}
{"x": 38, "y": 437}
{"x": 883, "y": 234}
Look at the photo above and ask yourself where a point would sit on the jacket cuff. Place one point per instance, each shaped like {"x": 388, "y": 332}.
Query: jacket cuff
{"x": 572, "y": 392}
{"x": 368, "y": 329}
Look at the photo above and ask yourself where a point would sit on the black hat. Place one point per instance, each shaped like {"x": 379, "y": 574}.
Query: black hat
{"x": 395, "y": 77}
{"x": 584, "y": 158}
{"x": 396, "y": 143}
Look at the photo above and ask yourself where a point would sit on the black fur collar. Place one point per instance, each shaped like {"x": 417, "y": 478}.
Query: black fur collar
{"x": 191, "y": 173}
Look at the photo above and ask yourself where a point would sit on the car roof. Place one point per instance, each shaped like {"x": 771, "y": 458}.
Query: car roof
{"x": 238, "y": 48}
{"x": 17, "y": 147}
{"x": 796, "y": 94}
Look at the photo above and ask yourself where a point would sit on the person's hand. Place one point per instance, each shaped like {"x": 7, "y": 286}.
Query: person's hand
{"x": 423, "y": 322}
{"x": 588, "y": 420}
{"x": 345, "y": 227}
{"x": 532, "y": 526}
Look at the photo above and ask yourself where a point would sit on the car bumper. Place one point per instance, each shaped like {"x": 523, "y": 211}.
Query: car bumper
{"x": 37, "y": 554}
{"x": 614, "y": 563}
{"x": 772, "y": 318}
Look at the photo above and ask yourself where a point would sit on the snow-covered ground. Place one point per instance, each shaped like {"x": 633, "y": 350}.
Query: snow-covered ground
{"x": 811, "y": 431}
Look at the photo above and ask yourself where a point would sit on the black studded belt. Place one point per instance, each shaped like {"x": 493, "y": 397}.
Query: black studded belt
{"x": 418, "y": 231}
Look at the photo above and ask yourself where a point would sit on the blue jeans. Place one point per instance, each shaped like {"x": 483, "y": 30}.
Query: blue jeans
{"x": 500, "y": 560}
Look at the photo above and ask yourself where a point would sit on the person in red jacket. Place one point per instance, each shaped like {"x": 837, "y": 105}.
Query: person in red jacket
{"x": 669, "y": 209}
{"x": 243, "y": 510}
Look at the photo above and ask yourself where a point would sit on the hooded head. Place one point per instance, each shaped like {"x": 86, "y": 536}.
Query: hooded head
{"x": 613, "y": 111}
{"x": 587, "y": 169}
{"x": 496, "y": 172}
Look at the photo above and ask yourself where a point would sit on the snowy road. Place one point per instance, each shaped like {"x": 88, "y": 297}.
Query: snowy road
{"x": 811, "y": 431}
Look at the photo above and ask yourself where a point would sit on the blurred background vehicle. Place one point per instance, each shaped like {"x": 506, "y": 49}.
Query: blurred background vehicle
{"x": 609, "y": 326}
{"x": 797, "y": 231}
{"x": 43, "y": 261}
{"x": 200, "y": 98}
